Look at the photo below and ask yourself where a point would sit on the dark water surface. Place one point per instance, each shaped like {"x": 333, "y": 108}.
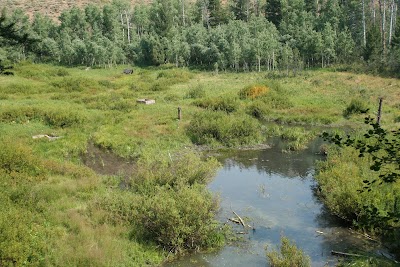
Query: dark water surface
{"x": 274, "y": 191}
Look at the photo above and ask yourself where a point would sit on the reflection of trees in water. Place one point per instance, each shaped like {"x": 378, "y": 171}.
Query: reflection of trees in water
{"x": 273, "y": 160}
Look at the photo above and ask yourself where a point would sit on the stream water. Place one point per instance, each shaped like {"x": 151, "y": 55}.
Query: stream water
{"x": 274, "y": 192}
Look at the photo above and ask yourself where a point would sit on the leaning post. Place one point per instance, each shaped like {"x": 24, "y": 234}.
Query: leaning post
{"x": 378, "y": 119}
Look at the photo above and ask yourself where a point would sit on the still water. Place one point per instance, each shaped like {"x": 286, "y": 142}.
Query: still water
{"x": 274, "y": 192}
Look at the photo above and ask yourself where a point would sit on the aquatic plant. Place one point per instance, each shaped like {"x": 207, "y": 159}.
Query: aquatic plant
{"x": 289, "y": 255}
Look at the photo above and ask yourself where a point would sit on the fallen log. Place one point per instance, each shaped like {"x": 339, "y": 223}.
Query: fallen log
{"x": 234, "y": 220}
{"x": 240, "y": 219}
{"x": 344, "y": 254}
{"x": 49, "y": 137}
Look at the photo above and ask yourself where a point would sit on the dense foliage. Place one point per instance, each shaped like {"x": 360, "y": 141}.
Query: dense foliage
{"x": 360, "y": 181}
{"x": 238, "y": 35}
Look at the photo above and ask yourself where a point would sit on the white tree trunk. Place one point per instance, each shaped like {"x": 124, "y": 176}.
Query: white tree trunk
{"x": 123, "y": 28}
{"x": 183, "y": 14}
{"x": 382, "y": 12}
{"x": 363, "y": 22}
{"x": 392, "y": 16}
{"x": 128, "y": 26}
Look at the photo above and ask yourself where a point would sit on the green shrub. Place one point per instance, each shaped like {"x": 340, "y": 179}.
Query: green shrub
{"x": 116, "y": 207}
{"x": 277, "y": 100}
{"x": 196, "y": 92}
{"x": 18, "y": 159}
{"x": 206, "y": 128}
{"x": 174, "y": 76}
{"x": 20, "y": 88}
{"x": 227, "y": 104}
{"x": 356, "y": 106}
{"x": 258, "y": 109}
{"x": 175, "y": 172}
{"x": 288, "y": 256}
{"x": 159, "y": 86}
{"x": 64, "y": 117}
{"x": 179, "y": 220}
{"x": 341, "y": 178}
{"x": 140, "y": 86}
{"x": 22, "y": 240}
{"x": 172, "y": 97}
{"x": 74, "y": 84}
{"x": 19, "y": 114}
{"x": 40, "y": 71}
{"x": 296, "y": 137}
{"x": 51, "y": 115}
{"x": 59, "y": 72}
{"x": 107, "y": 84}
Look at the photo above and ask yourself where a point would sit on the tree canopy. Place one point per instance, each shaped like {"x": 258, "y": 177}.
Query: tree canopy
{"x": 253, "y": 35}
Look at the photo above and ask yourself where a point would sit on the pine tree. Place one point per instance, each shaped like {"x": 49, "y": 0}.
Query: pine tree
{"x": 273, "y": 11}
{"x": 241, "y": 9}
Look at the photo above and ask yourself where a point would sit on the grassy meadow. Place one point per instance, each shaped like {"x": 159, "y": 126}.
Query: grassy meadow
{"x": 58, "y": 212}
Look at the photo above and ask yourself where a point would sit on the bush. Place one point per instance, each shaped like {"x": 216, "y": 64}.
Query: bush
{"x": 296, "y": 137}
{"x": 207, "y": 128}
{"x": 289, "y": 256}
{"x": 227, "y": 104}
{"x": 174, "y": 76}
{"x": 253, "y": 91}
{"x": 17, "y": 159}
{"x": 64, "y": 117}
{"x": 179, "y": 220}
{"x": 341, "y": 178}
{"x": 75, "y": 84}
{"x": 159, "y": 86}
{"x": 196, "y": 92}
{"x": 258, "y": 109}
{"x": 356, "y": 106}
{"x": 51, "y": 115}
{"x": 22, "y": 239}
{"x": 277, "y": 101}
{"x": 175, "y": 172}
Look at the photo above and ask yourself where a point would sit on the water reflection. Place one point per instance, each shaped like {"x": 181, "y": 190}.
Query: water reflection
{"x": 274, "y": 191}
{"x": 273, "y": 161}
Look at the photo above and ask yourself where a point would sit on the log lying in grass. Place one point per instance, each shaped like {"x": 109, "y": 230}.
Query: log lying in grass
{"x": 49, "y": 137}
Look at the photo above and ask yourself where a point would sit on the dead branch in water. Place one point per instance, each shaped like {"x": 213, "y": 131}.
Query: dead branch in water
{"x": 364, "y": 235}
{"x": 240, "y": 219}
{"x": 344, "y": 254}
{"x": 234, "y": 220}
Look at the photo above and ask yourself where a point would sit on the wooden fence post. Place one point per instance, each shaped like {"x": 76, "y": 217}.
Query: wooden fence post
{"x": 378, "y": 119}
{"x": 179, "y": 113}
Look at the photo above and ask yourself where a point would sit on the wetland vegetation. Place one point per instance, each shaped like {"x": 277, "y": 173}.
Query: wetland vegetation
{"x": 91, "y": 177}
{"x": 57, "y": 211}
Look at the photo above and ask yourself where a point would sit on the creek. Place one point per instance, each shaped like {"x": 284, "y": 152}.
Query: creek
{"x": 274, "y": 192}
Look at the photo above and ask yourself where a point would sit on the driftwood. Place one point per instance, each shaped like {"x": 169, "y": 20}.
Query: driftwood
{"x": 364, "y": 235}
{"x": 146, "y": 101}
{"x": 344, "y": 254}
{"x": 240, "y": 219}
{"x": 50, "y": 137}
{"x": 234, "y": 220}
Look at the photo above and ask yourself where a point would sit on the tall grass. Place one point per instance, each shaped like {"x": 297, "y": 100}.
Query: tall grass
{"x": 213, "y": 128}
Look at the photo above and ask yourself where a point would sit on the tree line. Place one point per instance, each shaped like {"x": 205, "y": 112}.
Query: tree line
{"x": 241, "y": 35}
